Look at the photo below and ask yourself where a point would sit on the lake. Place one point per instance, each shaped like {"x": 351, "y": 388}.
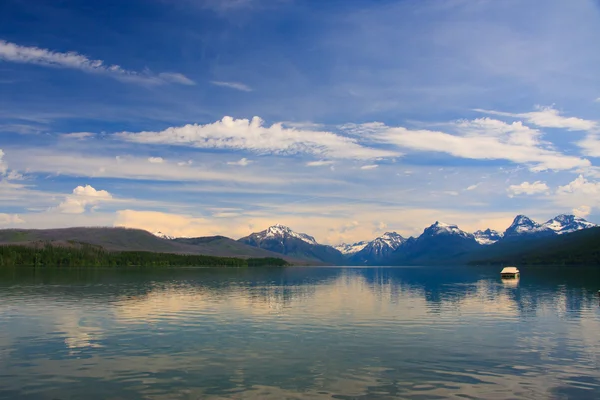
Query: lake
{"x": 299, "y": 333}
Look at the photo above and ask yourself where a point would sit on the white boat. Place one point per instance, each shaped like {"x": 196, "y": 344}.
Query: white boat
{"x": 510, "y": 273}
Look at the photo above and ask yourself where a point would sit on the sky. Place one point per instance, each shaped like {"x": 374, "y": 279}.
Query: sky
{"x": 340, "y": 119}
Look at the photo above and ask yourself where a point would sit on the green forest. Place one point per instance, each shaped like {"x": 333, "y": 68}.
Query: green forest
{"x": 85, "y": 255}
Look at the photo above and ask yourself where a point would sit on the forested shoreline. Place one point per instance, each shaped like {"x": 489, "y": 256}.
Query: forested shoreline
{"x": 85, "y": 255}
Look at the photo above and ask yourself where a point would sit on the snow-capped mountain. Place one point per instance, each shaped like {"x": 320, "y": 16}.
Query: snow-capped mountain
{"x": 525, "y": 226}
{"x": 378, "y": 249}
{"x": 163, "y": 235}
{"x": 439, "y": 243}
{"x": 283, "y": 240}
{"x": 567, "y": 223}
{"x": 440, "y": 228}
{"x": 349, "y": 249}
{"x": 487, "y": 237}
{"x": 281, "y": 232}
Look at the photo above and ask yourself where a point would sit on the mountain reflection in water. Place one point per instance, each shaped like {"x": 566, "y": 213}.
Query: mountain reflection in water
{"x": 317, "y": 333}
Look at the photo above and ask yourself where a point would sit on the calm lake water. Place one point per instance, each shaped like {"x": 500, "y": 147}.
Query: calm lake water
{"x": 299, "y": 333}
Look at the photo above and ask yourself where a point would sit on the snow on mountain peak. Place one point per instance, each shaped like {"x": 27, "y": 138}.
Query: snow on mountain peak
{"x": 441, "y": 228}
{"x": 347, "y": 249}
{"x": 487, "y": 237}
{"x": 390, "y": 239}
{"x": 564, "y": 223}
{"x": 279, "y": 231}
{"x": 163, "y": 235}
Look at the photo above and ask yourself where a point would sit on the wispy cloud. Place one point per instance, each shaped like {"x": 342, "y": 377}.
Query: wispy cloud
{"x": 176, "y": 77}
{"x": 242, "y": 162}
{"x": 11, "y": 52}
{"x": 77, "y": 135}
{"x": 253, "y": 135}
{"x": 233, "y": 85}
{"x": 368, "y": 167}
{"x": 320, "y": 163}
{"x": 484, "y": 139}
{"x": 549, "y": 117}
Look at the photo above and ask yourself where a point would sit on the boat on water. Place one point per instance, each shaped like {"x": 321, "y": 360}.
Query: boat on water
{"x": 510, "y": 273}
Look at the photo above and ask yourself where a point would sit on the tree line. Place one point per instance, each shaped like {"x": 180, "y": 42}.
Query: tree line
{"x": 86, "y": 255}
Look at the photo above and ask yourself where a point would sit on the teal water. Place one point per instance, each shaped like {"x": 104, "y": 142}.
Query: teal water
{"x": 299, "y": 333}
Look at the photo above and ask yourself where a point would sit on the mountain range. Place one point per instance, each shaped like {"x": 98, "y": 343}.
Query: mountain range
{"x": 438, "y": 243}
{"x": 524, "y": 240}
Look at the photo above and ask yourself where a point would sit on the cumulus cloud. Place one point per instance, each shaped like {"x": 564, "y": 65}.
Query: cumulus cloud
{"x": 580, "y": 186}
{"x": 81, "y": 198}
{"x": 253, "y": 135}
{"x": 527, "y": 188}
{"x": 242, "y": 163}
{"x": 582, "y": 211}
{"x": 484, "y": 139}
{"x": 10, "y": 219}
{"x": 320, "y": 163}
{"x": 549, "y": 117}
{"x": 368, "y": 167}
{"x": 172, "y": 224}
{"x": 12, "y": 52}
{"x": 156, "y": 160}
{"x": 233, "y": 85}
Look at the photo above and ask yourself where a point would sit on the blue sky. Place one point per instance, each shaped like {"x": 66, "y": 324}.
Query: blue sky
{"x": 342, "y": 119}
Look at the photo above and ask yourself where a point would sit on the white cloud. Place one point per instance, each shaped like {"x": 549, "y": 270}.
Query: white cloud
{"x": 484, "y": 139}
{"x": 82, "y": 198}
{"x": 156, "y": 160}
{"x": 580, "y": 186}
{"x": 242, "y": 163}
{"x": 367, "y": 167}
{"x": 473, "y": 187}
{"x": 3, "y": 166}
{"x": 320, "y": 163}
{"x": 582, "y": 211}
{"x": 12, "y": 52}
{"x": 590, "y": 145}
{"x": 127, "y": 167}
{"x": 175, "y": 77}
{"x": 10, "y": 219}
{"x": 527, "y": 188}
{"x": 77, "y": 135}
{"x": 233, "y": 85}
{"x": 253, "y": 135}
{"x": 169, "y": 223}
{"x": 549, "y": 117}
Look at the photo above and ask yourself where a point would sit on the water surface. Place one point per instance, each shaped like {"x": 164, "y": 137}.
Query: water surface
{"x": 299, "y": 333}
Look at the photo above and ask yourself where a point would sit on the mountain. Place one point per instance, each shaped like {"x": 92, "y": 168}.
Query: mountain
{"x": 349, "y": 249}
{"x": 580, "y": 247}
{"x": 487, "y": 237}
{"x": 163, "y": 235}
{"x": 283, "y": 240}
{"x": 440, "y": 243}
{"x": 378, "y": 249}
{"x": 567, "y": 223}
{"x": 126, "y": 239}
{"x": 525, "y": 226}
